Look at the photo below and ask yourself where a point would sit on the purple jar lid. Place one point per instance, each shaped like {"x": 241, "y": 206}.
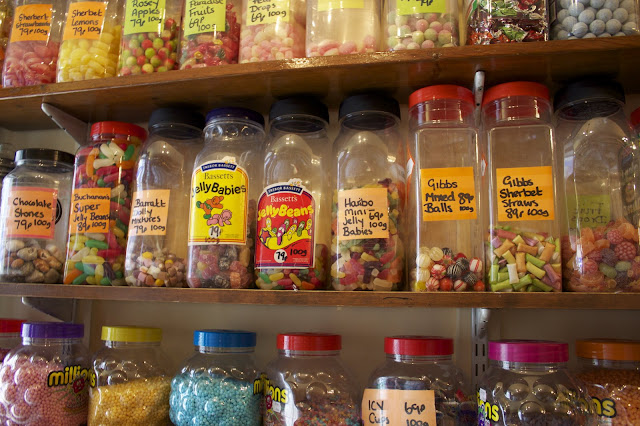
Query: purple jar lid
{"x": 535, "y": 351}
{"x": 52, "y": 330}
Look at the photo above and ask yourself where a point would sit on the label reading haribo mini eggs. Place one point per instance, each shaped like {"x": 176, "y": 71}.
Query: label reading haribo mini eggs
{"x": 448, "y": 194}
{"x": 149, "y": 212}
{"x": 32, "y": 22}
{"x": 203, "y": 16}
{"x": 525, "y": 193}
{"x": 268, "y": 11}
{"x": 398, "y": 407}
{"x": 218, "y": 204}
{"x": 326, "y": 5}
{"x": 363, "y": 213}
{"x": 32, "y": 212}
{"x": 84, "y": 20}
{"x": 143, "y": 16}
{"x": 410, "y": 7}
{"x": 285, "y": 227}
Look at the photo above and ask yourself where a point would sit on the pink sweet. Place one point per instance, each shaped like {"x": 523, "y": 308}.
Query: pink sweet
{"x": 347, "y": 48}
{"x": 427, "y": 44}
{"x": 422, "y": 25}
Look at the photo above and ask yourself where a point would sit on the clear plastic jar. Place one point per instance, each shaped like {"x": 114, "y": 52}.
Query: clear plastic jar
{"x": 45, "y": 380}
{"x": 420, "y": 25}
{"x": 418, "y": 370}
{"x": 220, "y": 383}
{"x": 7, "y": 155}
{"x": 101, "y": 203}
{"x": 34, "y": 217}
{"x": 90, "y": 40}
{"x": 342, "y": 27}
{"x": 523, "y": 249}
{"x": 224, "y": 189}
{"x": 6, "y": 19}
{"x": 445, "y": 242}
{"x": 528, "y": 383}
{"x": 576, "y": 19}
{"x": 293, "y": 228}
{"x": 369, "y": 196}
{"x": 159, "y": 225}
{"x": 32, "y": 53}
{"x": 308, "y": 384}
{"x": 611, "y": 370}
{"x": 494, "y": 21}
{"x": 9, "y": 335}
{"x": 132, "y": 379}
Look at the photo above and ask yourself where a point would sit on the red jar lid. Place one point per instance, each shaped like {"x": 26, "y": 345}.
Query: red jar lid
{"x": 418, "y": 345}
{"x": 533, "y": 351}
{"x": 516, "y": 88}
{"x": 309, "y": 342}
{"x": 118, "y": 128}
{"x": 9, "y": 325}
{"x": 442, "y": 91}
{"x": 635, "y": 117}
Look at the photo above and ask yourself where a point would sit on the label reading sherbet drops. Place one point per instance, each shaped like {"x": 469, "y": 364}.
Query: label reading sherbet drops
{"x": 267, "y": 12}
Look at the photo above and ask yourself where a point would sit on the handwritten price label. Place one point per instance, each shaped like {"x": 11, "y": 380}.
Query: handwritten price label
{"x": 525, "y": 193}
{"x": 149, "y": 212}
{"x": 267, "y": 11}
{"x": 90, "y": 208}
{"x": 363, "y": 213}
{"x": 448, "y": 194}
{"x": 32, "y": 212}
{"x": 591, "y": 211}
{"x": 144, "y": 16}
{"x": 396, "y": 407}
{"x": 203, "y": 16}
{"x": 84, "y": 20}
{"x": 409, "y": 7}
{"x": 32, "y": 22}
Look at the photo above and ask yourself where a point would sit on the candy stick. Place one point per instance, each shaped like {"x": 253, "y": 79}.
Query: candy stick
{"x": 539, "y": 263}
{"x": 523, "y": 282}
{"x": 509, "y": 257}
{"x": 553, "y": 276}
{"x": 557, "y": 267}
{"x": 513, "y": 273}
{"x": 496, "y": 242}
{"x": 493, "y": 274}
{"x": 520, "y": 262}
{"x": 547, "y": 252}
{"x": 506, "y": 234}
{"x": 517, "y": 240}
{"x": 527, "y": 249}
{"x": 506, "y": 246}
{"x": 535, "y": 270}
{"x": 530, "y": 241}
{"x": 504, "y": 285}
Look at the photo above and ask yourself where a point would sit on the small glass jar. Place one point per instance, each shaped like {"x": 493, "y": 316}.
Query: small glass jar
{"x": 420, "y": 25}
{"x": 101, "y": 204}
{"x": 491, "y": 21}
{"x": 369, "y": 195}
{"x": 611, "y": 370}
{"x": 224, "y": 189}
{"x": 418, "y": 370}
{"x": 528, "y": 383}
{"x": 523, "y": 250}
{"x": 132, "y": 378}
{"x": 308, "y": 384}
{"x": 9, "y": 335}
{"x": 159, "y": 225}
{"x": 34, "y": 216}
{"x": 220, "y": 383}
{"x": 293, "y": 228}
{"x": 45, "y": 380}
{"x": 445, "y": 245}
{"x": 576, "y": 19}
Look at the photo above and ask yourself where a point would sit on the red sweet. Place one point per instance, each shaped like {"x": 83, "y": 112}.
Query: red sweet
{"x": 614, "y": 236}
{"x": 30, "y": 63}
{"x": 589, "y": 266}
{"x": 446, "y": 284}
{"x": 479, "y": 286}
{"x": 625, "y": 251}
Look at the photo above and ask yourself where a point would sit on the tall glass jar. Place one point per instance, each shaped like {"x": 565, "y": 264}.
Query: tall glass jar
{"x": 224, "y": 189}
{"x": 523, "y": 247}
{"x": 9, "y": 335}
{"x": 307, "y": 384}
{"x": 132, "y": 378}
{"x": 445, "y": 242}
{"x": 527, "y": 383}
{"x": 600, "y": 226}
{"x": 576, "y": 19}
{"x": 34, "y": 216}
{"x": 159, "y": 225}
{"x": 101, "y": 204}
{"x": 45, "y": 380}
{"x": 496, "y": 21}
{"x": 369, "y": 196}
{"x": 6, "y": 18}
{"x": 293, "y": 227}
{"x": 90, "y": 40}
{"x": 420, "y": 25}
{"x": 220, "y": 383}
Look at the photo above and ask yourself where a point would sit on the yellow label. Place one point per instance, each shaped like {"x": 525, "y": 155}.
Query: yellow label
{"x": 363, "y": 213}
{"x": 326, "y": 5}
{"x": 149, "y": 212}
{"x": 32, "y": 22}
{"x": 591, "y": 211}
{"x": 32, "y": 212}
{"x": 84, "y": 20}
{"x": 409, "y": 7}
{"x": 144, "y": 16}
{"x": 90, "y": 208}
{"x": 267, "y": 11}
{"x": 201, "y": 16}
{"x": 218, "y": 204}
{"x": 448, "y": 194}
{"x": 525, "y": 193}
{"x": 396, "y": 407}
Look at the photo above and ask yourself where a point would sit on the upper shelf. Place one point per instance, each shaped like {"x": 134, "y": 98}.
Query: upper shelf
{"x": 132, "y": 98}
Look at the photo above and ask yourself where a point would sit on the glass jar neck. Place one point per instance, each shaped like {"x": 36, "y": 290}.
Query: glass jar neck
{"x": 36, "y": 341}
{"x": 593, "y": 108}
{"x": 49, "y": 166}
{"x": 369, "y": 120}
{"x": 307, "y": 354}
{"x": 232, "y": 130}
{"x": 300, "y": 124}
{"x": 517, "y": 110}
{"x": 418, "y": 359}
{"x": 533, "y": 367}
{"x": 443, "y": 113}
{"x": 130, "y": 345}
{"x": 176, "y": 131}
{"x": 219, "y": 350}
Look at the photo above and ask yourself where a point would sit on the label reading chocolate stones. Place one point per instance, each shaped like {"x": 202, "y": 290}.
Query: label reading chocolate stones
{"x": 326, "y": 5}
{"x": 90, "y": 209}
{"x": 591, "y": 211}
{"x": 398, "y": 407}
{"x": 267, "y": 11}
{"x": 149, "y": 212}
{"x": 144, "y": 16}
{"x": 525, "y": 193}
{"x": 32, "y": 22}
{"x": 410, "y": 7}
{"x": 201, "y": 16}
{"x": 84, "y": 20}
{"x": 218, "y": 204}
{"x": 32, "y": 212}
{"x": 363, "y": 213}
{"x": 448, "y": 194}
{"x": 285, "y": 227}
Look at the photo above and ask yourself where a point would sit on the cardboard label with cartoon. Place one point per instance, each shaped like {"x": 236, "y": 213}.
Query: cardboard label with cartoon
{"x": 285, "y": 227}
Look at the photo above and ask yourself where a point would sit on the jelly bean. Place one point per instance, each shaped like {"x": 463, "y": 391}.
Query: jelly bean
{"x": 315, "y": 278}
{"x": 29, "y": 63}
{"x": 421, "y": 31}
{"x": 97, "y": 244}
{"x": 164, "y": 268}
{"x": 27, "y": 260}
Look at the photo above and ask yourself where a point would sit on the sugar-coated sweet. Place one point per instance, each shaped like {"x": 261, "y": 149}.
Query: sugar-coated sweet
{"x": 601, "y": 18}
{"x": 160, "y": 268}
{"x": 81, "y": 59}
{"x": 413, "y": 31}
{"x": 29, "y": 63}
{"x": 146, "y": 53}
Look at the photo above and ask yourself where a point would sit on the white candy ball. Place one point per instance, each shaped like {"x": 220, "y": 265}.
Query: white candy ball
{"x": 613, "y": 26}
{"x": 580, "y": 29}
{"x": 597, "y": 3}
{"x": 569, "y": 22}
{"x": 589, "y": 35}
{"x": 587, "y": 16}
{"x": 628, "y": 5}
{"x": 603, "y": 35}
{"x": 630, "y": 28}
{"x": 565, "y": 4}
{"x": 585, "y": 2}
{"x": 561, "y": 15}
{"x": 621, "y": 15}
{"x": 597, "y": 27}
{"x": 604, "y": 15}
{"x": 399, "y": 46}
{"x": 632, "y": 18}
{"x": 572, "y": 38}
{"x": 563, "y": 35}
{"x": 594, "y": 10}
{"x": 576, "y": 9}
{"x": 611, "y": 4}
{"x": 431, "y": 34}
{"x": 555, "y": 30}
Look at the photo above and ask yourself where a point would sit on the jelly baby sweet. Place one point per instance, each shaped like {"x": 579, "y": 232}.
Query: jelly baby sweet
{"x": 406, "y": 29}
{"x": 152, "y": 51}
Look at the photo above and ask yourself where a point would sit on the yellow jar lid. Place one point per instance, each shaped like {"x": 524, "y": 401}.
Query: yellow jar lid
{"x": 131, "y": 334}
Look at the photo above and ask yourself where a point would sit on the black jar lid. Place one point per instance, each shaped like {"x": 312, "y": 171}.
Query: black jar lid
{"x": 44, "y": 154}
{"x": 589, "y": 97}
{"x": 307, "y": 105}
{"x": 236, "y": 112}
{"x": 369, "y": 102}
{"x": 173, "y": 115}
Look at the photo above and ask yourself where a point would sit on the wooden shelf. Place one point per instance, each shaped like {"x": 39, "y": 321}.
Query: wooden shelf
{"x": 132, "y": 98}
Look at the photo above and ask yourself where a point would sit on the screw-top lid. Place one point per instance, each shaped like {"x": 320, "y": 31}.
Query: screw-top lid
{"x": 635, "y": 117}
{"x": 52, "y": 330}
{"x": 516, "y": 88}
{"x": 118, "y": 128}
{"x": 235, "y": 112}
{"x": 534, "y": 351}
{"x": 609, "y": 349}
{"x": 224, "y": 338}
{"x": 589, "y": 97}
{"x": 418, "y": 346}
{"x": 442, "y": 91}
{"x": 309, "y": 342}
{"x": 369, "y": 102}
{"x": 10, "y": 325}
{"x": 185, "y": 116}
{"x": 307, "y": 105}
{"x": 131, "y": 334}
{"x": 45, "y": 154}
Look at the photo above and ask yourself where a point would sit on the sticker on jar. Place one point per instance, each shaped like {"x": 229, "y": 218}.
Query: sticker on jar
{"x": 84, "y": 20}
{"x": 591, "y": 211}
{"x": 525, "y": 193}
{"x": 144, "y": 16}
{"x": 32, "y": 212}
{"x": 90, "y": 209}
{"x": 267, "y": 12}
{"x": 487, "y": 412}
{"x": 32, "y": 22}
{"x": 363, "y": 213}
{"x": 398, "y": 407}
{"x": 410, "y": 7}
{"x": 285, "y": 227}
{"x": 202, "y": 16}
{"x": 149, "y": 212}
{"x": 218, "y": 204}
{"x": 448, "y": 194}
{"x": 327, "y": 5}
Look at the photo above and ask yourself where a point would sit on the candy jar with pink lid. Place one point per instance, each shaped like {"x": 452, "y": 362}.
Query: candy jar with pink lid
{"x": 528, "y": 383}
{"x": 9, "y": 335}
{"x": 420, "y": 25}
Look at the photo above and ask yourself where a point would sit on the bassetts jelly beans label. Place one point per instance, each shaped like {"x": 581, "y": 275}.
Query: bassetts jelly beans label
{"x": 149, "y": 212}
{"x": 525, "y": 193}
{"x": 218, "y": 204}
{"x": 32, "y": 22}
{"x": 398, "y": 407}
{"x": 201, "y": 16}
{"x": 90, "y": 209}
{"x": 326, "y": 5}
{"x": 32, "y": 212}
{"x": 144, "y": 16}
{"x": 285, "y": 227}
{"x": 267, "y": 12}
{"x": 84, "y": 20}
{"x": 448, "y": 194}
{"x": 363, "y": 213}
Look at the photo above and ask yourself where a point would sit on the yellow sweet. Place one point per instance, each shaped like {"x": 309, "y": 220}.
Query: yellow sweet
{"x": 81, "y": 59}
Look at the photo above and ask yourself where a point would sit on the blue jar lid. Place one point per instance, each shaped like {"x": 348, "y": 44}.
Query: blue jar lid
{"x": 224, "y": 338}
{"x": 235, "y": 112}
{"x": 52, "y": 330}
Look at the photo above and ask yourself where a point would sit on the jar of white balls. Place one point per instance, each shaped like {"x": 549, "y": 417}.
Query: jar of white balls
{"x": 420, "y": 25}
{"x": 594, "y": 18}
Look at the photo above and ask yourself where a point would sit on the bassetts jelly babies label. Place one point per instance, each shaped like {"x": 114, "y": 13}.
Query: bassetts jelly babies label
{"x": 149, "y": 212}
{"x": 32, "y": 22}
{"x": 267, "y": 11}
{"x": 32, "y": 212}
{"x": 326, "y": 5}
{"x": 285, "y": 227}
{"x": 84, "y": 20}
{"x": 144, "y": 16}
{"x": 218, "y": 204}
{"x": 525, "y": 193}
{"x": 90, "y": 209}
{"x": 409, "y": 7}
{"x": 201, "y": 16}
{"x": 448, "y": 194}
{"x": 395, "y": 407}
{"x": 363, "y": 213}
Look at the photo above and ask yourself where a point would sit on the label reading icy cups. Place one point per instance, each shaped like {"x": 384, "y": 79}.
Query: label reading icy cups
{"x": 448, "y": 194}
{"x": 90, "y": 208}
{"x": 285, "y": 227}
{"x": 525, "y": 193}
{"x": 32, "y": 22}
{"x": 409, "y": 7}
{"x": 326, "y": 5}
{"x": 398, "y": 407}
{"x": 32, "y": 212}
{"x": 202, "y": 16}
{"x": 144, "y": 16}
{"x": 218, "y": 204}
{"x": 363, "y": 213}
{"x": 149, "y": 212}
{"x": 84, "y": 20}
{"x": 267, "y": 11}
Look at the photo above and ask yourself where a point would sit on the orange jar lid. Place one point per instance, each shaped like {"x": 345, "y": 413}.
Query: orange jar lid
{"x": 609, "y": 349}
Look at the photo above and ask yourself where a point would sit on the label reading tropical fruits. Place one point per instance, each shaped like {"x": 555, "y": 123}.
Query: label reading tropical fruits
{"x": 448, "y": 194}
{"x": 285, "y": 227}
{"x": 398, "y": 407}
{"x": 32, "y": 22}
{"x": 326, "y": 5}
{"x": 149, "y": 212}
{"x": 363, "y": 213}
{"x": 90, "y": 208}
{"x": 409, "y": 7}
{"x": 202, "y": 16}
{"x": 218, "y": 204}
{"x": 144, "y": 16}
{"x": 267, "y": 11}
{"x": 84, "y": 20}
{"x": 525, "y": 193}
{"x": 32, "y": 212}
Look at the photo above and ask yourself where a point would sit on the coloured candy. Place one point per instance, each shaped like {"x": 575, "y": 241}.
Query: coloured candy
{"x": 420, "y": 31}
{"x": 158, "y": 269}
{"x": 296, "y": 279}
{"x": 145, "y": 53}
{"x": 221, "y": 266}
{"x": 444, "y": 272}
{"x": 510, "y": 21}
{"x": 26, "y": 261}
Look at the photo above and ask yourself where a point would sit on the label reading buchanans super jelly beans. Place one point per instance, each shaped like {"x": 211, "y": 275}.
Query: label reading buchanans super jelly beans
{"x": 84, "y": 20}
{"x": 363, "y": 213}
{"x": 285, "y": 227}
{"x": 487, "y": 412}
{"x": 326, "y": 5}
{"x": 149, "y": 212}
{"x": 144, "y": 16}
{"x": 448, "y": 194}
{"x": 218, "y": 204}
{"x": 398, "y": 407}
{"x": 32, "y": 212}
{"x": 90, "y": 208}
{"x": 32, "y": 22}
{"x": 267, "y": 11}
{"x": 409, "y": 7}
{"x": 203, "y": 16}
{"x": 525, "y": 193}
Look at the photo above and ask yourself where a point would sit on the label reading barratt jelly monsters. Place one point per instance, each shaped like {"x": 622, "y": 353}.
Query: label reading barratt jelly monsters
{"x": 363, "y": 213}
{"x": 84, "y": 20}
{"x": 267, "y": 11}
{"x": 202, "y": 16}
{"x": 591, "y": 211}
{"x": 218, "y": 204}
{"x": 32, "y": 212}
{"x": 149, "y": 212}
{"x": 285, "y": 227}
{"x": 144, "y": 16}
{"x": 90, "y": 208}
{"x": 398, "y": 407}
{"x": 409, "y": 7}
{"x": 448, "y": 194}
{"x": 326, "y": 5}
{"x": 525, "y": 193}
{"x": 32, "y": 22}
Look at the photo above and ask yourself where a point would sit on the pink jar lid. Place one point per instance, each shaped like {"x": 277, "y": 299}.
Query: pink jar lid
{"x": 534, "y": 351}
